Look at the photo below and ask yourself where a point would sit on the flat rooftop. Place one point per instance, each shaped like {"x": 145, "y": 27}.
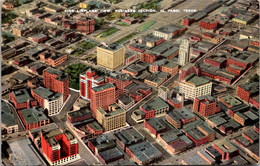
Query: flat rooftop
{"x": 103, "y": 87}
{"x": 196, "y": 80}
{"x": 129, "y": 136}
{"x": 79, "y": 113}
{"x": 155, "y": 104}
{"x": 7, "y": 118}
{"x": 34, "y": 115}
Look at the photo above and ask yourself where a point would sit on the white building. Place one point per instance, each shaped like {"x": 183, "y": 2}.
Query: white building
{"x": 48, "y": 99}
{"x": 194, "y": 86}
{"x": 184, "y": 52}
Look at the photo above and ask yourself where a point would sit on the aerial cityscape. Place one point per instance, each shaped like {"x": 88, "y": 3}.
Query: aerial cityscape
{"x": 130, "y": 82}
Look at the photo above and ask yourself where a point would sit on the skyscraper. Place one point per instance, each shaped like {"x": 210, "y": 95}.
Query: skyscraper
{"x": 89, "y": 80}
{"x": 184, "y": 52}
{"x": 111, "y": 57}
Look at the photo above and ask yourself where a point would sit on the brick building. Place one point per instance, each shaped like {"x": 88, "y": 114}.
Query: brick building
{"x": 86, "y": 26}
{"x": 53, "y": 58}
{"x": 154, "y": 108}
{"x": 59, "y": 147}
{"x": 79, "y": 115}
{"x": 247, "y": 91}
{"x": 102, "y": 96}
{"x": 208, "y": 24}
{"x": 155, "y": 126}
{"x": 22, "y": 99}
{"x": 33, "y": 117}
{"x": 226, "y": 149}
{"x": 57, "y": 81}
{"x": 206, "y": 106}
{"x": 149, "y": 57}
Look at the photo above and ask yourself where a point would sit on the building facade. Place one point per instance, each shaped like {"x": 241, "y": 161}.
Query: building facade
{"x": 59, "y": 148}
{"x": 89, "y": 80}
{"x": 184, "y": 52}
{"x": 112, "y": 118}
{"x": 102, "y": 96}
{"x": 111, "y": 57}
{"x": 49, "y": 100}
{"x": 206, "y": 105}
{"x": 86, "y": 26}
{"x": 57, "y": 81}
{"x": 194, "y": 86}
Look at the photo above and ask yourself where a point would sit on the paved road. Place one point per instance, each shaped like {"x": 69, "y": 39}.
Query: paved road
{"x": 60, "y": 121}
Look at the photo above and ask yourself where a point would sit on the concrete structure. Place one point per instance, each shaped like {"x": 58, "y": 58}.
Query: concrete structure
{"x": 88, "y": 80}
{"x": 48, "y": 99}
{"x": 111, "y": 57}
{"x": 112, "y": 118}
{"x": 59, "y": 147}
{"x": 184, "y": 52}
{"x": 102, "y": 96}
{"x": 57, "y": 81}
{"x": 194, "y": 86}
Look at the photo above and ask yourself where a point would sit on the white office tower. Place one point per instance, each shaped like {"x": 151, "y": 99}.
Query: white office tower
{"x": 184, "y": 52}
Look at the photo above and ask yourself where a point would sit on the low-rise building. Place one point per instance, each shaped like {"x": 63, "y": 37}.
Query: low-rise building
{"x": 169, "y": 31}
{"x": 33, "y": 117}
{"x": 53, "y": 58}
{"x": 143, "y": 153}
{"x": 155, "y": 126}
{"x": 155, "y": 107}
{"x": 126, "y": 102}
{"x": 22, "y": 99}
{"x": 9, "y": 123}
{"x": 128, "y": 137}
{"x": 226, "y": 149}
{"x": 180, "y": 117}
{"x": 79, "y": 115}
{"x": 95, "y": 128}
{"x": 206, "y": 105}
{"x": 157, "y": 78}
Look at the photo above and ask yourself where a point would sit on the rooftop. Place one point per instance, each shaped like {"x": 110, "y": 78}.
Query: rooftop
{"x": 23, "y": 152}
{"x": 155, "y": 104}
{"x": 225, "y": 146}
{"x": 79, "y": 113}
{"x": 170, "y": 28}
{"x": 196, "y": 80}
{"x": 252, "y": 87}
{"x": 129, "y": 136}
{"x": 95, "y": 126}
{"x": 111, "y": 154}
{"x": 145, "y": 151}
{"x": 8, "y": 118}
{"x": 47, "y": 93}
{"x": 103, "y": 87}
{"x": 34, "y": 115}
{"x": 22, "y": 96}
{"x": 231, "y": 100}
{"x": 111, "y": 47}
{"x": 156, "y": 123}
{"x": 126, "y": 99}
{"x": 115, "y": 111}
{"x": 62, "y": 75}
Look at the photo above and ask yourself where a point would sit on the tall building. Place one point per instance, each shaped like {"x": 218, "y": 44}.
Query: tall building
{"x": 194, "y": 86}
{"x": 206, "y": 105}
{"x": 86, "y": 26}
{"x": 49, "y": 100}
{"x": 111, "y": 57}
{"x": 102, "y": 96}
{"x": 112, "y": 118}
{"x": 57, "y": 81}
{"x": 184, "y": 52}
{"x": 59, "y": 148}
{"x": 89, "y": 80}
